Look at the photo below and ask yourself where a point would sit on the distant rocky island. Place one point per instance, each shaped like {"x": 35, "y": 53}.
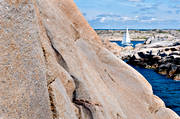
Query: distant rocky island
{"x": 137, "y": 35}
{"x": 160, "y": 50}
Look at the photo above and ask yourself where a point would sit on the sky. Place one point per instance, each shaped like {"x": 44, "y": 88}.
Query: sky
{"x": 134, "y": 14}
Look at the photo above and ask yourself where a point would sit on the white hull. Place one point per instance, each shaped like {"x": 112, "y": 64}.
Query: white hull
{"x": 127, "y": 44}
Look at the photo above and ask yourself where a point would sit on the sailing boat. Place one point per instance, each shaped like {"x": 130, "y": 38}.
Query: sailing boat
{"x": 126, "y": 39}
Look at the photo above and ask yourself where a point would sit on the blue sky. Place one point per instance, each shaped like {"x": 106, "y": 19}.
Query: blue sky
{"x": 134, "y": 14}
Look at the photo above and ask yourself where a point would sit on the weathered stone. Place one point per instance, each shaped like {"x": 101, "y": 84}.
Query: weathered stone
{"x": 177, "y": 77}
{"x": 172, "y": 70}
{"x": 61, "y": 104}
{"x": 156, "y": 57}
{"x": 24, "y": 93}
{"x": 165, "y": 113}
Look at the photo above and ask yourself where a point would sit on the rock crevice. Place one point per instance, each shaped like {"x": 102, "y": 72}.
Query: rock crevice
{"x": 59, "y": 57}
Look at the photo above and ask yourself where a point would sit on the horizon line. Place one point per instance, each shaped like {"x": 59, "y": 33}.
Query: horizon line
{"x": 136, "y": 29}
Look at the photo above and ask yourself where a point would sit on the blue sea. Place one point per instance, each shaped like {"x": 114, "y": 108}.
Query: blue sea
{"x": 133, "y": 42}
{"x": 167, "y": 89}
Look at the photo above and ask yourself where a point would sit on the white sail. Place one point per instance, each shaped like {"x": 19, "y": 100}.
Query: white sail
{"x": 126, "y": 39}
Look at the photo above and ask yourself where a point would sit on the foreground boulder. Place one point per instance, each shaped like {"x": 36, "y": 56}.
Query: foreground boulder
{"x": 53, "y": 66}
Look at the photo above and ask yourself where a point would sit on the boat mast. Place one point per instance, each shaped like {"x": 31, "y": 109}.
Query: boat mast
{"x": 127, "y": 37}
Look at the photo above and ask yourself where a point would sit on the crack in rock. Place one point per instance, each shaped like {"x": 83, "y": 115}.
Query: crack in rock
{"x": 78, "y": 104}
{"x": 52, "y": 104}
{"x": 59, "y": 57}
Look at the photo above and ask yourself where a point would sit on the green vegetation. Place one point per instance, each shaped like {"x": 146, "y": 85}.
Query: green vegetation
{"x": 161, "y": 31}
{"x": 142, "y": 37}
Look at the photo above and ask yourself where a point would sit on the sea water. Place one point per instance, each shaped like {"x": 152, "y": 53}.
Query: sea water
{"x": 134, "y": 43}
{"x": 165, "y": 88}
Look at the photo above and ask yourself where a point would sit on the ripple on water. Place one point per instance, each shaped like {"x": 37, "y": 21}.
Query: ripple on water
{"x": 167, "y": 89}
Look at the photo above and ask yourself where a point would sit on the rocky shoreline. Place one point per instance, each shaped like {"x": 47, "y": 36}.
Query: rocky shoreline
{"x": 162, "y": 55}
{"x": 136, "y": 35}
{"x": 160, "y": 51}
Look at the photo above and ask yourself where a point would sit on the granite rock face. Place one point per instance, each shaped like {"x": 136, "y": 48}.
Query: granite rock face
{"x": 23, "y": 85}
{"x": 113, "y": 47}
{"x": 53, "y": 66}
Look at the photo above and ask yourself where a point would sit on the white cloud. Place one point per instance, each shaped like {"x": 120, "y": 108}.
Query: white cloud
{"x": 150, "y": 20}
{"x": 113, "y": 17}
{"x": 129, "y": 18}
{"x": 102, "y": 19}
{"x": 106, "y": 18}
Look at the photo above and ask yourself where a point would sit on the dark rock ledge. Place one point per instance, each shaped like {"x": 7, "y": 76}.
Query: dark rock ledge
{"x": 162, "y": 55}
